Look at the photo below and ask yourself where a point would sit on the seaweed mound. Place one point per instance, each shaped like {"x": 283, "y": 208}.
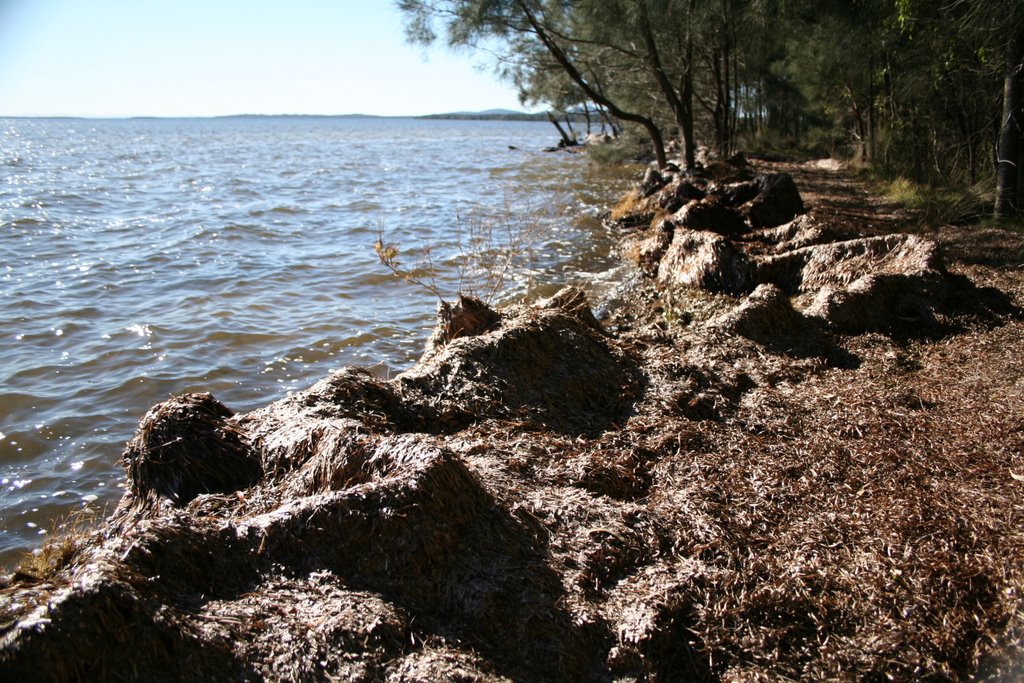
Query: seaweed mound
{"x": 337, "y": 502}
{"x": 187, "y": 446}
{"x": 737, "y": 237}
{"x": 547, "y": 364}
{"x": 705, "y": 260}
{"x": 376, "y": 531}
{"x": 767, "y": 316}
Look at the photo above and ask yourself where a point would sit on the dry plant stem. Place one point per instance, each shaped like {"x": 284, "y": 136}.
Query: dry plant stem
{"x": 65, "y": 539}
{"x": 494, "y": 245}
{"x": 491, "y": 247}
{"x": 388, "y": 254}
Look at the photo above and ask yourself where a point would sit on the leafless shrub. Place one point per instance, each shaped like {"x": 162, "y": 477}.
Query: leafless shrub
{"x": 423, "y": 271}
{"x": 493, "y": 248}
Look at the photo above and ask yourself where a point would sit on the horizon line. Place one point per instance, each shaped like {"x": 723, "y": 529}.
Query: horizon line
{"x": 494, "y": 112}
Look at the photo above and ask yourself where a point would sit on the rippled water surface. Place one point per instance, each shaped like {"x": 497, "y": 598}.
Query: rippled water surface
{"x": 143, "y": 258}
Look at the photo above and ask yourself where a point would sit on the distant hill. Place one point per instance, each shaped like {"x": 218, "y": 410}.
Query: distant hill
{"x": 300, "y": 116}
{"x": 489, "y": 115}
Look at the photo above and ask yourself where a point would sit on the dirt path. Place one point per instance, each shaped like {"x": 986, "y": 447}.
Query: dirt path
{"x": 836, "y": 194}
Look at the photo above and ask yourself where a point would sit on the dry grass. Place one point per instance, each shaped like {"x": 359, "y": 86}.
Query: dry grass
{"x": 494, "y": 247}
{"x": 68, "y": 537}
{"x": 864, "y": 521}
{"x": 634, "y": 210}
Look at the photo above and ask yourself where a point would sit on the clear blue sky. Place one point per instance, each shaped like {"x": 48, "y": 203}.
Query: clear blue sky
{"x": 216, "y": 57}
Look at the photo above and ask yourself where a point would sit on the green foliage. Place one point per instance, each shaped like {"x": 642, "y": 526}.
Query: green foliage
{"x": 627, "y": 148}
{"x": 937, "y": 206}
{"x": 913, "y": 88}
{"x": 1012, "y": 223}
{"x": 673, "y": 311}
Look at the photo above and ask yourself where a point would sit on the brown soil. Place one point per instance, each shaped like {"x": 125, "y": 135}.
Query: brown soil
{"x": 705, "y": 486}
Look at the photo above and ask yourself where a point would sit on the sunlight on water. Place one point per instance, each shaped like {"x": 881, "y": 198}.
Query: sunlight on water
{"x": 144, "y": 258}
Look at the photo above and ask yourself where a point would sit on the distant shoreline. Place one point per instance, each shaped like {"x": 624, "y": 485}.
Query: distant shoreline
{"x": 490, "y": 115}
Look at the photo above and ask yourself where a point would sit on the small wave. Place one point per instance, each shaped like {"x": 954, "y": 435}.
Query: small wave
{"x": 27, "y": 222}
{"x": 246, "y": 339}
{"x": 13, "y": 401}
{"x": 363, "y": 205}
{"x": 245, "y": 231}
{"x": 280, "y": 210}
{"x": 24, "y": 446}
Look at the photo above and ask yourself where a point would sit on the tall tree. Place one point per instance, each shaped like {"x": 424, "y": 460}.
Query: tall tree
{"x": 517, "y": 27}
{"x": 677, "y": 88}
{"x": 934, "y": 91}
{"x": 1010, "y": 145}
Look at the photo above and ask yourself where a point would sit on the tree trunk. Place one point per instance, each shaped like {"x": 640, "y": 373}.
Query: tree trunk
{"x": 1020, "y": 172}
{"x": 686, "y": 122}
{"x": 727, "y": 104}
{"x": 606, "y": 120}
{"x": 1008, "y": 150}
{"x": 566, "y": 140}
{"x": 681, "y": 100}
{"x": 872, "y": 125}
{"x": 860, "y": 125}
{"x": 734, "y": 119}
{"x": 594, "y": 93}
{"x": 568, "y": 124}
{"x": 719, "y": 113}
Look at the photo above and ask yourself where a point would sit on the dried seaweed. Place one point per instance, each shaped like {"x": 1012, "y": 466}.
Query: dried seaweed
{"x": 736, "y": 494}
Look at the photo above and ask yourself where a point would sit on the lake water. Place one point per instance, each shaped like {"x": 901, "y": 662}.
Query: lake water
{"x": 148, "y": 257}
